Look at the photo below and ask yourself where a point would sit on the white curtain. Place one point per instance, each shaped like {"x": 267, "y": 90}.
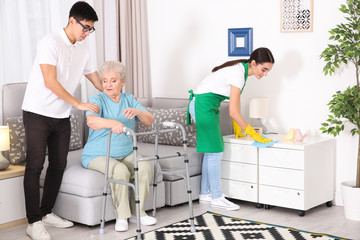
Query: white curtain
{"x": 134, "y": 46}
{"x": 124, "y": 37}
{"x": 23, "y": 23}
{"x": 121, "y": 34}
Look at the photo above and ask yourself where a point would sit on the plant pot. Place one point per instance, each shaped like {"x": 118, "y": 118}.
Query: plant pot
{"x": 351, "y": 200}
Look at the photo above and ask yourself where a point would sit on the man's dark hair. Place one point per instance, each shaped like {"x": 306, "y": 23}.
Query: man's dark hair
{"x": 83, "y": 11}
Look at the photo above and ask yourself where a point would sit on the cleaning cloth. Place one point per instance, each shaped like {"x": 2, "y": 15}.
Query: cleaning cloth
{"x": 264, "y": 145}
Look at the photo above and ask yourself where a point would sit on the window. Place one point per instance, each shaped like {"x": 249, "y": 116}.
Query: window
{"x": 23, "y": 24}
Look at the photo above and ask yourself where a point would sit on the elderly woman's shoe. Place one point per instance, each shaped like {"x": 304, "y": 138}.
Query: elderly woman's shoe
{"x": 121, "y": 225}
{"x": 145, "y": 220}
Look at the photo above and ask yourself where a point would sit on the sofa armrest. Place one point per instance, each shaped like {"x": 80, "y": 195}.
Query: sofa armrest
{"x": 12, "y": 98}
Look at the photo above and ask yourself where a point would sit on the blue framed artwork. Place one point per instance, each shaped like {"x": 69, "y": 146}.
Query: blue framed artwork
{"x": 240, "y": 42}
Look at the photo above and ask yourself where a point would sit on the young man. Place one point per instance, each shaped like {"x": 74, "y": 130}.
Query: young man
{"x": 60, "y": 63}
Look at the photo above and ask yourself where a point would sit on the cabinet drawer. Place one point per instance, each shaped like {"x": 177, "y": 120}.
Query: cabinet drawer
{"x": 12, "y": 203}
{"x": 281, "y": 177}
{"x": 240, "y": 153}
{"x": 239, "y": 171}
{"x": 281, "y": 197}
{"x": 239, "y": 190}
{"x": 281, "y": 158}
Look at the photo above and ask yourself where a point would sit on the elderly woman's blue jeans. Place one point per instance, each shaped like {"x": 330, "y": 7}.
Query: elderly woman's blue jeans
{"x": 210, "y": 176}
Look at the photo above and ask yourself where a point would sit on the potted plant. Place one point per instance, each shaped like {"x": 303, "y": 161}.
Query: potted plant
{"x": 345, "y": 105}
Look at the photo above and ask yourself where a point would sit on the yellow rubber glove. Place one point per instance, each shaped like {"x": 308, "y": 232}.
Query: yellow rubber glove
{"x": 237, "y": 130}
{"x": 257, "y": 137}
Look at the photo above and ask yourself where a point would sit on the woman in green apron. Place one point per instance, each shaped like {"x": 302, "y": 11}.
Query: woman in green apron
{"x": 226, "y": 81}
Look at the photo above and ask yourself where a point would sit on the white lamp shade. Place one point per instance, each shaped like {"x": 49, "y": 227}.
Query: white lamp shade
{"x": 4, "y": 138}
{"x": 258, "y": 107}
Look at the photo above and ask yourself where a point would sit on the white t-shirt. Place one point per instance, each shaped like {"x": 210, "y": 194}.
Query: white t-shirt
{"x": 219, "y": 82}
{"x": 72, "y": 61}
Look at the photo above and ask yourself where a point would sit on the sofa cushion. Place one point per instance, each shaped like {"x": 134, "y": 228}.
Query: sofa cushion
{"x": 177, "y": 115}
{"x": 17, "y": 151}
{"x": 78, "y": 180}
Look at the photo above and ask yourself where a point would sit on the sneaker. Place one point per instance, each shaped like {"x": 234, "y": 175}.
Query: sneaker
{"x": 121, "y": 225}
{"x": 205, "y": 198}
{"x": 53, "y": 220}
{"x": 224, "y": 204}
{"x": 36, "y": 231}
{"x": 145, "y": 220}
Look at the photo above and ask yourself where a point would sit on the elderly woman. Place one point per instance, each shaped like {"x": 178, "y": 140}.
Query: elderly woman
{"x": 118, "y": 110}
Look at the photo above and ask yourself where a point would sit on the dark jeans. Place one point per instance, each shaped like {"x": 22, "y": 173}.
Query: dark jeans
{"x": 42, "y": 132}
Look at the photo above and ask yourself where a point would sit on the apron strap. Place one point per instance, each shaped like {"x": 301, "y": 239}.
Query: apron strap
{"x": 246, "y": 66}
{"x": 188, "y": 117}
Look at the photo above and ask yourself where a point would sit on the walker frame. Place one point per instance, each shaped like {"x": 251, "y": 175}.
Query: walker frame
{"x": 172, "y": 127}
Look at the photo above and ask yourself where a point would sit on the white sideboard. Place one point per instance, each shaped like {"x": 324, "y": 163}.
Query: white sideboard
{"x": 287, "y": 174}
{"x": 239, "y": 171}
{"x": 12, "y": 201}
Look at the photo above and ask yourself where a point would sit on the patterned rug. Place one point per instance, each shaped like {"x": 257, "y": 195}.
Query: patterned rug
{"x": 213, "y": 226}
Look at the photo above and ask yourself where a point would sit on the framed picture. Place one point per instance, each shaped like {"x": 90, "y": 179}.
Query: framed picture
{"x": 240, "y": 41}
{"x": 296, "y": 15}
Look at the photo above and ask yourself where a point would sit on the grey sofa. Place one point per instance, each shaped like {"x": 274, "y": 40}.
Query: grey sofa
{"x": 81, "y": 192}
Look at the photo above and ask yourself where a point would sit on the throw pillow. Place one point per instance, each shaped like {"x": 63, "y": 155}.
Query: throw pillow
{"x": 17, "y": 151}
{"x": 76, "y": 137}
{"x": 177, "y": 115}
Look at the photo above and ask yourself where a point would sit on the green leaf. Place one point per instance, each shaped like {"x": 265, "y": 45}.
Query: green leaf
{"x": 344, "y": 49}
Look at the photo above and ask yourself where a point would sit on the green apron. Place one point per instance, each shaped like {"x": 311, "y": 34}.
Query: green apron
{"x": 209, "y": 137}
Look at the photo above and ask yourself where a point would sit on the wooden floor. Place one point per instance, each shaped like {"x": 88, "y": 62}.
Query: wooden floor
{"x": 320, "y": 219}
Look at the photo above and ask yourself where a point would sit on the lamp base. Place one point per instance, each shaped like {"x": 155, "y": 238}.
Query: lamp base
{"x": 4, "y": 163}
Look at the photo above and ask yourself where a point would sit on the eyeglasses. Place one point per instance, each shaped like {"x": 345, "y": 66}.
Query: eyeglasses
{"x": 85, "y": 29}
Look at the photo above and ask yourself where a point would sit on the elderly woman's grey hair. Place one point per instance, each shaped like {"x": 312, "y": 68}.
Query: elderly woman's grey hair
{"x": 115, "y": 66}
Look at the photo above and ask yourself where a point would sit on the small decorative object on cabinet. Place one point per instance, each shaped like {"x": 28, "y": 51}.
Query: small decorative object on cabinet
{"x": 290, "y": 135}
{"x": 298, "y": 136}
{"x": 296, "y": 175}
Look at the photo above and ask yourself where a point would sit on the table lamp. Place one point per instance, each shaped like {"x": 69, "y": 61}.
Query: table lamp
{"x": 259, "y": 109}
{"x": 4, "y": 147}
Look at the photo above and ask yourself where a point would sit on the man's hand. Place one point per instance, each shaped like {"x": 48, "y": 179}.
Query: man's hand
{"x": 88, "y": 106}
{"x": 130, "y": 113}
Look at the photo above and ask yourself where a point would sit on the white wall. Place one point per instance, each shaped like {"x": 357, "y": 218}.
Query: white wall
{"x": 188, "y": 38}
